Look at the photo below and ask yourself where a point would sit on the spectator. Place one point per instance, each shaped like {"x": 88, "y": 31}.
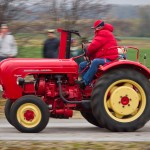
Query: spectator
{"x": 8, "y": 47}
{"x": 51, "y": 45}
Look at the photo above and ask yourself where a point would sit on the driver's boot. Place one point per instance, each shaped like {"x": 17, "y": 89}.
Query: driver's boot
{"x": 81, "y": 84}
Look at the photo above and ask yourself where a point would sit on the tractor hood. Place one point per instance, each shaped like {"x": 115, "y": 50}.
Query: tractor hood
{"x": 11, "y": 69}
{"x": 32, "y": 66}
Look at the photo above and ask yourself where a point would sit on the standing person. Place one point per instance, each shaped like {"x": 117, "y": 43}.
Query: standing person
{"x": 100, "y": 51}
{"x": 8, "y": 47}
{"x": 51, "y": 45}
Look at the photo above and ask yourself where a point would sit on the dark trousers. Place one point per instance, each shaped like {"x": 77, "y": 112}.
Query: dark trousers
{"x": 88, "y": 75}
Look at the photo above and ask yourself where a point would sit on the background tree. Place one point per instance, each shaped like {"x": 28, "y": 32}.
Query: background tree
{"x": 68, "y": 12}
{"x": 144, "y": 25}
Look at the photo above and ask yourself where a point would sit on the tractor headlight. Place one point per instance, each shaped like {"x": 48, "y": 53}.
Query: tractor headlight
{"x": 20, "y": 81}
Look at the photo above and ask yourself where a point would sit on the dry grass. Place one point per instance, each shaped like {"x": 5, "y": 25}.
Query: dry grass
{"x": 139, "y": 43}
{"x": 77, "y": 115}
{"x": 42, "y": 145}
{"x": 2, "y": 104}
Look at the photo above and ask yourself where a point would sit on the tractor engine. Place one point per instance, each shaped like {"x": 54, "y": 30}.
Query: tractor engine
{"x": 47, "y": 88}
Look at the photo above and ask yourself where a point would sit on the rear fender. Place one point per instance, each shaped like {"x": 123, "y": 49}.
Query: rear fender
{"x": 125, "y": 64}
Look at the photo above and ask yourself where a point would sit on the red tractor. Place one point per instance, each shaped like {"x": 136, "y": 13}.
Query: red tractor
{"x": 36, "y": 89}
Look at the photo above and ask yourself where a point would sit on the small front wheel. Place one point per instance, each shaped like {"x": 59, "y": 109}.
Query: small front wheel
{"x": 29, "y": 114}
{"x": 8, "y": 106}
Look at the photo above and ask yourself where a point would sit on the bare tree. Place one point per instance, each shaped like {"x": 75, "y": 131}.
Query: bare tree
{"x": 10, "y": 10}
{"x": 70, "y": 11}
{"x": 22, "y": 11}
{"x": 4, "y": 7}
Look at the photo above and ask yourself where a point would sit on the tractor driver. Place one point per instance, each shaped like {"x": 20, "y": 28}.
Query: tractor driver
{"x": 99, "y": 51}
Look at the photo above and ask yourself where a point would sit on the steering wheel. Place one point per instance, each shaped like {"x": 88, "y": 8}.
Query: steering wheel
{"x": 85, "y": 53}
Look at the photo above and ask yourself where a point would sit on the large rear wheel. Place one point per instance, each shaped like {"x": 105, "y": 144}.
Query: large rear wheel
{"x": 90, "y": 118}
{"x": 121, "y": 100}
{"x": 29, "y": 114}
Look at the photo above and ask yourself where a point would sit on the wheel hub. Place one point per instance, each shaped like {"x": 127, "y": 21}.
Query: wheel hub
{"x": 29, "y": 115}
{"x": 124, "y": 100}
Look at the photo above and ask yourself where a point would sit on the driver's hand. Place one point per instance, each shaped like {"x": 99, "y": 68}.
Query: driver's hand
{"x": 87, "y": 44}
{"x": 86, "y": 58}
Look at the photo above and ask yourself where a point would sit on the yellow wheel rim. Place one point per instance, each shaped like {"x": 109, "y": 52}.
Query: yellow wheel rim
{"x": 29, "y": 115}
{"x": 125, "y": 100}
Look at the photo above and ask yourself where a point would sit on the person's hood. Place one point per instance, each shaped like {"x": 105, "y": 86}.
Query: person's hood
{"x": 109, "y": 27}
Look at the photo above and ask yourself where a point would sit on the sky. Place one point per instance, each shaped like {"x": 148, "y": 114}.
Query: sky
{"x": 131, "y": 2}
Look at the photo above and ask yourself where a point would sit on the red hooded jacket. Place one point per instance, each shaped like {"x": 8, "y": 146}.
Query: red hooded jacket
{"x": 103, "y": 43}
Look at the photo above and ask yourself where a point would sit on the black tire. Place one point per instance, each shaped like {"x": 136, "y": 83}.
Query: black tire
{"x": 90, "y": 118}
{"x": 8, "y": 105}
{"x": 39, "y": 112}
{"x": 100, "y": 97}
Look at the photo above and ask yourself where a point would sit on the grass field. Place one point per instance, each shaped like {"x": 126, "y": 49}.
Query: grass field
{"x": 36, "y": 52}
{"x": 30, "y": 52}
{"x": 33, "y": 48}
{"x": 143, "y": 44}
